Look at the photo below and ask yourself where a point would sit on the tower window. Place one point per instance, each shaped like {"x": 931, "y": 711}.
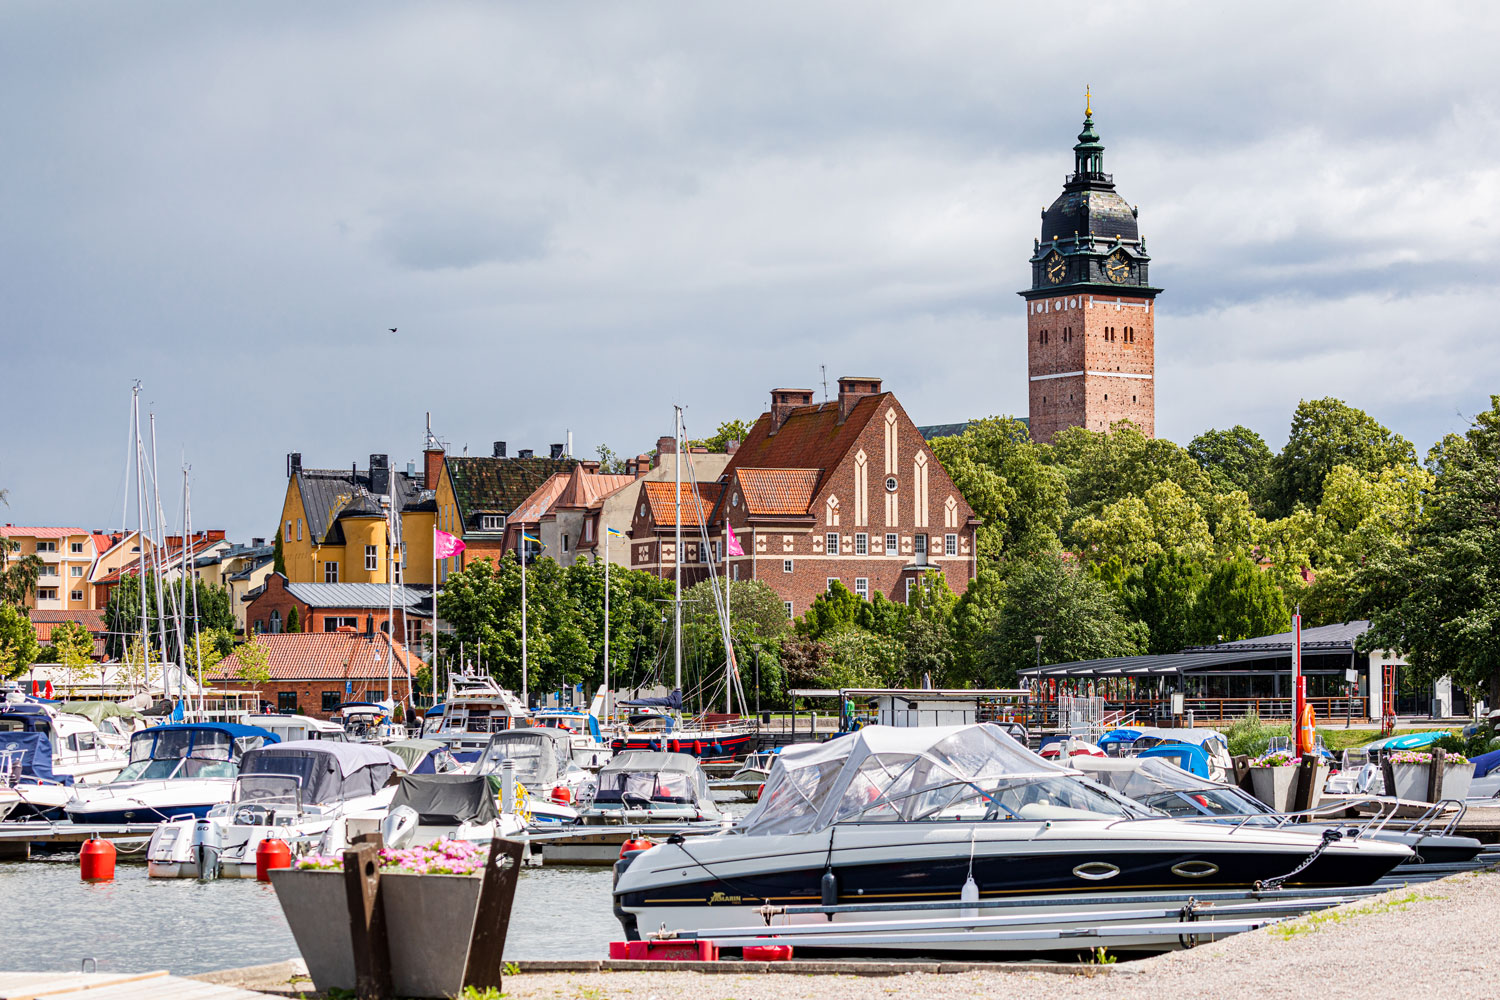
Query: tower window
{"x": 1132, "y": 399}
{"x": 1106, "y": 397}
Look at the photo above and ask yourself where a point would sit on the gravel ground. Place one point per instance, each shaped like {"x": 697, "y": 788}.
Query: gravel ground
{"x": 1433, "y": 940}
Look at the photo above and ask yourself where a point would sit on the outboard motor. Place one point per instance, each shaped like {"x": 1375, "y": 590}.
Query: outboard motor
{"x": 399, "y": 827}
{"x": 207, "y": 846}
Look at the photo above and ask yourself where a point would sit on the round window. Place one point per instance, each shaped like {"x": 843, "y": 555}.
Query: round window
{"x": 890, "y": 484}
{"x": 734, "y": 500}
{"x": 643, "y": 510}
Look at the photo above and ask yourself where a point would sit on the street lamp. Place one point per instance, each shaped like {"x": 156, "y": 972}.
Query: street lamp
{"x": 1038, "y": 652}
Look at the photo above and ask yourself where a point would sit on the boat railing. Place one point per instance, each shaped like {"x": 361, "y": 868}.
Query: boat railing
{"x": 1422, "y": 825}
{"x": 10, "y": 766}
{"x": 1280, "y": 820}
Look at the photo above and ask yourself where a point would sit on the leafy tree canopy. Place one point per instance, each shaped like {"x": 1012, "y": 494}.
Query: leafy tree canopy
{"x": 1235, "y": 459}
{"x": 1326, "y": 433}
{"x": 1020, "y": 498}
{"x": 1101, "y": 468}
{"x": 1163, "y": 595}
{"x": 1240, "y": 601}
{"x": 18, "y": 646}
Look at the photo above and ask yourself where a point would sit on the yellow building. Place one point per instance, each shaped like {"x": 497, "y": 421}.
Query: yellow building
{"x": 67, "y": 556}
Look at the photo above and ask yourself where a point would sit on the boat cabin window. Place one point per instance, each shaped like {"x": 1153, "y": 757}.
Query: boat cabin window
{"x": 639, "y": 787}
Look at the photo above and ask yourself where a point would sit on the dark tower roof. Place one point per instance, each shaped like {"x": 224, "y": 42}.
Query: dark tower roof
{"x": 1089, "y": 206}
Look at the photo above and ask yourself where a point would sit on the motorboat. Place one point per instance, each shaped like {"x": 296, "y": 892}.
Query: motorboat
{"x": 288, "y": 728}
{"x": 543, "y": 764}
{"x": 892, "y": 815}
{"x": 175, "y": 772}
{"x": 301, "y": 792}
{"x": 29, "y": 788}
{"x": 1484, "y": 788}
{"x": 757, "y": 767}
{"x": 1163, "y": 785}
{"x": 476, "y": 708}
{"x": 368, "y": 722}
{"x": 78, "y": 751}
{"x": 454, "y": 806}
{"x": 116, "y": 723}
{"x": 709, "y": 738}
{"x": 590, "y": 750}
{"x": 424, "y": 756}
{"x": 644, "y": 787}
{"x": 1205, "y": 752}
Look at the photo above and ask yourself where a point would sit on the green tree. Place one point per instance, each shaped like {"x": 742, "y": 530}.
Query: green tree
{"x": 253, "y": 661}
{"x": 835, "y": 608}
{"x": 757, "y": 617}
{"x": 1021, "y": 500}
{"x": 1077, "y": 616}
{"x": 1101, "y": 469}
{"x": 1326, "y": 433}
{"x": 1164, "y": 595}
{"x": 927, "y": 637}
{"x": 1240, "y": 601}
{"x": 207, "y": 649}
{"x": 278, "y": 558}
{"x": 1134, "y": 530}
{"x": 1437, "y": 601}
{"x": 122, "y": 612}
{"x": 73, "y": 650}
{"x": 729, "y": 430}
{"x": 976, "y": 617}
{"x": 859, "y": 659}
{"x": 293, "y": 620}
{"x": 18, "y": 645}
{"x": 610, "y": 462}
{"x": 1236, "y": 459}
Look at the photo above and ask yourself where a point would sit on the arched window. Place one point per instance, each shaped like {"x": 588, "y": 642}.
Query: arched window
{"x": 275, "y": 620}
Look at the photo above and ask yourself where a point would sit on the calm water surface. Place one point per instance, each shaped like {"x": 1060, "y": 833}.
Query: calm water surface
{"x": 135, "y": 924}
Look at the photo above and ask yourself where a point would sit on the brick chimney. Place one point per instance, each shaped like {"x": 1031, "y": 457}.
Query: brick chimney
{"x": 642, "y": 465}
{"x": 851, "y": 390}
{"x": 784, "y": 401}
{"x": 432, "y": 465}
{"x": 665, "y": 445}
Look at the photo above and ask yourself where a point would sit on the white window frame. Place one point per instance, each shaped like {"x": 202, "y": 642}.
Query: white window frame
{"x": 492, "y": 522}
{"x": 47, "y": 570}
{"x": 910, "y": 585}
{"x": 892, "y": 543}
{"x": 919, "y": 545}
{"x": 75, "y": 571}
{"x": 332, "y": 623}
{"x": 786, "y": 565}
{"x": 950, "y": 544}
{"x": 76, "y": 547}
{"x": 275, "y": 621}
{"x": 831, "y": 543}
{"x": 566, "y": 539}
{"x": 288, "y": 532}
{"x": 46, "y": 546}
{"x": 46, "y": 593}
{"x": 76, "y": 595}
{"x": 331, "y": 571}
{"x": 831, "y": 581}
{"x": 299, "y": 529}
{"x": 861, "y": 543}
{"x": 862, "y": 586}
{"x": 372, "y": 557}
{"x": 789, "y": 614}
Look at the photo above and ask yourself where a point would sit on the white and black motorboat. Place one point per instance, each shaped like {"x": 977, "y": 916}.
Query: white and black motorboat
{"x": 953, "y": 815}
{"x": 1162, "y": 785}
{"x": 175, "y": 772}
{"x": 544, "y": 766}
{"x": 643, "y": 787}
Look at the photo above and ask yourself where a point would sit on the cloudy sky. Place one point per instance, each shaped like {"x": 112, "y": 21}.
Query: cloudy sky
{"x": 578, "y": 214}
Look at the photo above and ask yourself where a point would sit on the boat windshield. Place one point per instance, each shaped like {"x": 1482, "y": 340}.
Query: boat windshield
{"x": 1162, "y": 785}
{"x": 171, "y": 744}
{"x": 640, "y": 787}
{"x": 539, "y": 756}
{"x": 894, "y": 774}
{"x": 184, "y": 767}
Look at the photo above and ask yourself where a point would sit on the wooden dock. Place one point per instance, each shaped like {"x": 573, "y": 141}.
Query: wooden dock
{"x": 114, "y": 986}
{"x": 16, "y": 838}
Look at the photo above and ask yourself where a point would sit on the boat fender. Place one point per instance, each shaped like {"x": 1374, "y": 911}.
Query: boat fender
{"x": 96, "y": 861}
{"x": 969, "y": 894}
{"x": 675, "y": 745}
{"x": 636, "y": 843}
{"x": 718, "y": 749}
{"x": 828, "y": 886}
{"x": 272, "y": 853}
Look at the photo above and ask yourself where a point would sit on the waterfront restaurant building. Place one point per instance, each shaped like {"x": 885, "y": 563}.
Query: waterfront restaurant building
{"x": 1227, "y": 680}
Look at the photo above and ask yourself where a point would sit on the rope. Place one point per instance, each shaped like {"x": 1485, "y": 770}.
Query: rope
{"x": 1329, "y": 836}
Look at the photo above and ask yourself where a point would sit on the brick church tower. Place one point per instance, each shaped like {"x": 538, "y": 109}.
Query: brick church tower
{"x": 1090, "y": 310}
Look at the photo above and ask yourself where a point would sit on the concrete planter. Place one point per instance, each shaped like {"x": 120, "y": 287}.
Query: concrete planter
{"x": 1274, "y": 786}
{"x": 429, "y": 920}
{"x": 1411, "y": 780}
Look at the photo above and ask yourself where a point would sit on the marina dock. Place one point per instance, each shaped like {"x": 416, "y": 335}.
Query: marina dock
{"x": 114, "y": 986}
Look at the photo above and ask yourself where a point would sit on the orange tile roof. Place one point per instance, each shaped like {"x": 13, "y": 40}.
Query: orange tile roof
{"x": 325, "y": 655}
{"x": 102, "y": 543}
{"x": 542, "y": 499}
{"x": 777, "y": 491}
{"x": 91, "y": 620}
{"x": 664, "y": 510}
{"x": 15, "y": 531}
{"x": 588, "y": 489}
{"x": 810, "y": 438}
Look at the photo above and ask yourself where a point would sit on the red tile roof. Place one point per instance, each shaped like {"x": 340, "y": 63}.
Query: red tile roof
{"x": 810, "y": 438}
{"x": 777, "y": 491}
{"x": 664, "y": 509}
{"x": 542, "y": 499}
{"x": 102, "y": 543}
{"x": 45, "y": 620}
{"x": 325, "y": 655}
{"x": 588, "y": 489}
{"x": 15, "y": 531}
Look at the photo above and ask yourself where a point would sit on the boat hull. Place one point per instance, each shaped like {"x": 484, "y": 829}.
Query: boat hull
{"x": 729, "y": 746}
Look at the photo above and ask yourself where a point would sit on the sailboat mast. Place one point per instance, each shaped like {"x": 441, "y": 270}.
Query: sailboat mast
{"x": 525, "y": 680}
{"x": 140, "y": 529}
{"x": 677, "y": 554}
{"x": 606, "y": 621}
{"x": 187, "y": 495}
{"x": 159, "y": 526}
{"x": 391, "y": 529}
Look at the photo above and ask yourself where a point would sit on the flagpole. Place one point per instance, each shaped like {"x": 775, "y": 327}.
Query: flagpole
{"x": 606, "y": 622}
{"x": 521, "y": 551}
{"x": 677, "y": 556}
{"x": 434, "y": 610}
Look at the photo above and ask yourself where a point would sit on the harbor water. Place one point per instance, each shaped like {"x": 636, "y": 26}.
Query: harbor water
{"x": 136, "y": 924}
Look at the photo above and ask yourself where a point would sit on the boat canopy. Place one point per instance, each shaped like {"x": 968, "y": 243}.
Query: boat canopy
{"x": 1153, "y": 735}
{"x": 423, "y": 756}
{"x": 888, "y": 773}
{"x": 325, "y": 771}
{"x": 25, "y": 719}
{"x": 205, "y": 740}
{"x": 540, "y": 754}
{"x": 1486, "y": 762}
{"x": 447, "y": 799}
{"x": 1140, "y": 777}
{"x": 35, "y": 753}
{"x": 97, "y": 711}
{"x": 673, "y": 700}
{"x": 658, "y": 777}
{"x": 1407, "y": 741}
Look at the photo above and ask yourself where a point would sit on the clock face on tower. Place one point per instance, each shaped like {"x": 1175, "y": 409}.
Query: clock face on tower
{"x": 1117, "y": 267}
{"x": 1057, "y": 268}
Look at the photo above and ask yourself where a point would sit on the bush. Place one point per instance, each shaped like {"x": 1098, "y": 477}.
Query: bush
{"x": 1248, "y": 735}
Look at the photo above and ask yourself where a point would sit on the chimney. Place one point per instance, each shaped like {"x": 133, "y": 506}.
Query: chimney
{"x": 784, "y": 401}
{"x": 256, "y": 543}
{"x": 557, "y": 451}
{"x": 380, "y": 475}
{"x": 432, "y": 465}
{"x": 642, "y": 464}
{"x": 524, "y": 453}
{"x": 732, "y": 447}
{"x": 589, "y": 465}
{"x": 293, "y": 464}
{"x": 851, "y": 390}
{"x": 665, "y": 445}
{"x": 499, "y": 451}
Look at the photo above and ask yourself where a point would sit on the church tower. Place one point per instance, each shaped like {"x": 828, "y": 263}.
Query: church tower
{"x": 1090, "y": 310}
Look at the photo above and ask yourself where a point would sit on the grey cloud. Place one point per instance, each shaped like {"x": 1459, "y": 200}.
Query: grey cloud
{"x": 434, "y": 238}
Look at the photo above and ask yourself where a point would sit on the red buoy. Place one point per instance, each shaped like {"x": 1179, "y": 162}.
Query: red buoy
{"x": 562, "y": 795}
{"x": 96, "y": 861}
{"x": 271, "y": 854}
{"x": 633, "y": 844}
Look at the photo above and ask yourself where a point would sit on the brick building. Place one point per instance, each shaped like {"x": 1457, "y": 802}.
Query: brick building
{"x": 313, "y": 672}
{"x": 845, "y": 490}
{"x": 1090, "y": 310}
{"x": 328, "y": 607}
{"x": 653, "y": 529}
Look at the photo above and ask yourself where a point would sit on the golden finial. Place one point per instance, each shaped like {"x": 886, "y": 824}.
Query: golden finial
{"x": 1088, "y": 102}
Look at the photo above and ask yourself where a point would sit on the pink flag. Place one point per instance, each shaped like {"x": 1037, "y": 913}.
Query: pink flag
{"x": 734, "y": 543}
{"x": 445, "y": 546}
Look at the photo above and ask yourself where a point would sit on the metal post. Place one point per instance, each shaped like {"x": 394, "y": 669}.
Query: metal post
{"x": 521, "y": 551}
{"x": 606, "y": 623}
{"x": 677, "y": 555}
{"x": 757, "y": 683}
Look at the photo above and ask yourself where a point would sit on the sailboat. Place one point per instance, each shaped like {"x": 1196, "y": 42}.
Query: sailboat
{"x": 661, "y": 726}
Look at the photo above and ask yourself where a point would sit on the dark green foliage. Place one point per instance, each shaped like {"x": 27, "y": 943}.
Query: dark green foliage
{"x": 293, "y": 620}
{"x": 1102, "y": 468}
{"x": 729, "y": 430}
{"x": 1240, "y": 601}
{"x": 1163, "y": 595}
{"x": 278, "y": 560}
{"x": 122, "y": 613}
{"x": 1325, "y": 433}
{"x": 1236, "y": 459}
{"x": 1020, "y": 499}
